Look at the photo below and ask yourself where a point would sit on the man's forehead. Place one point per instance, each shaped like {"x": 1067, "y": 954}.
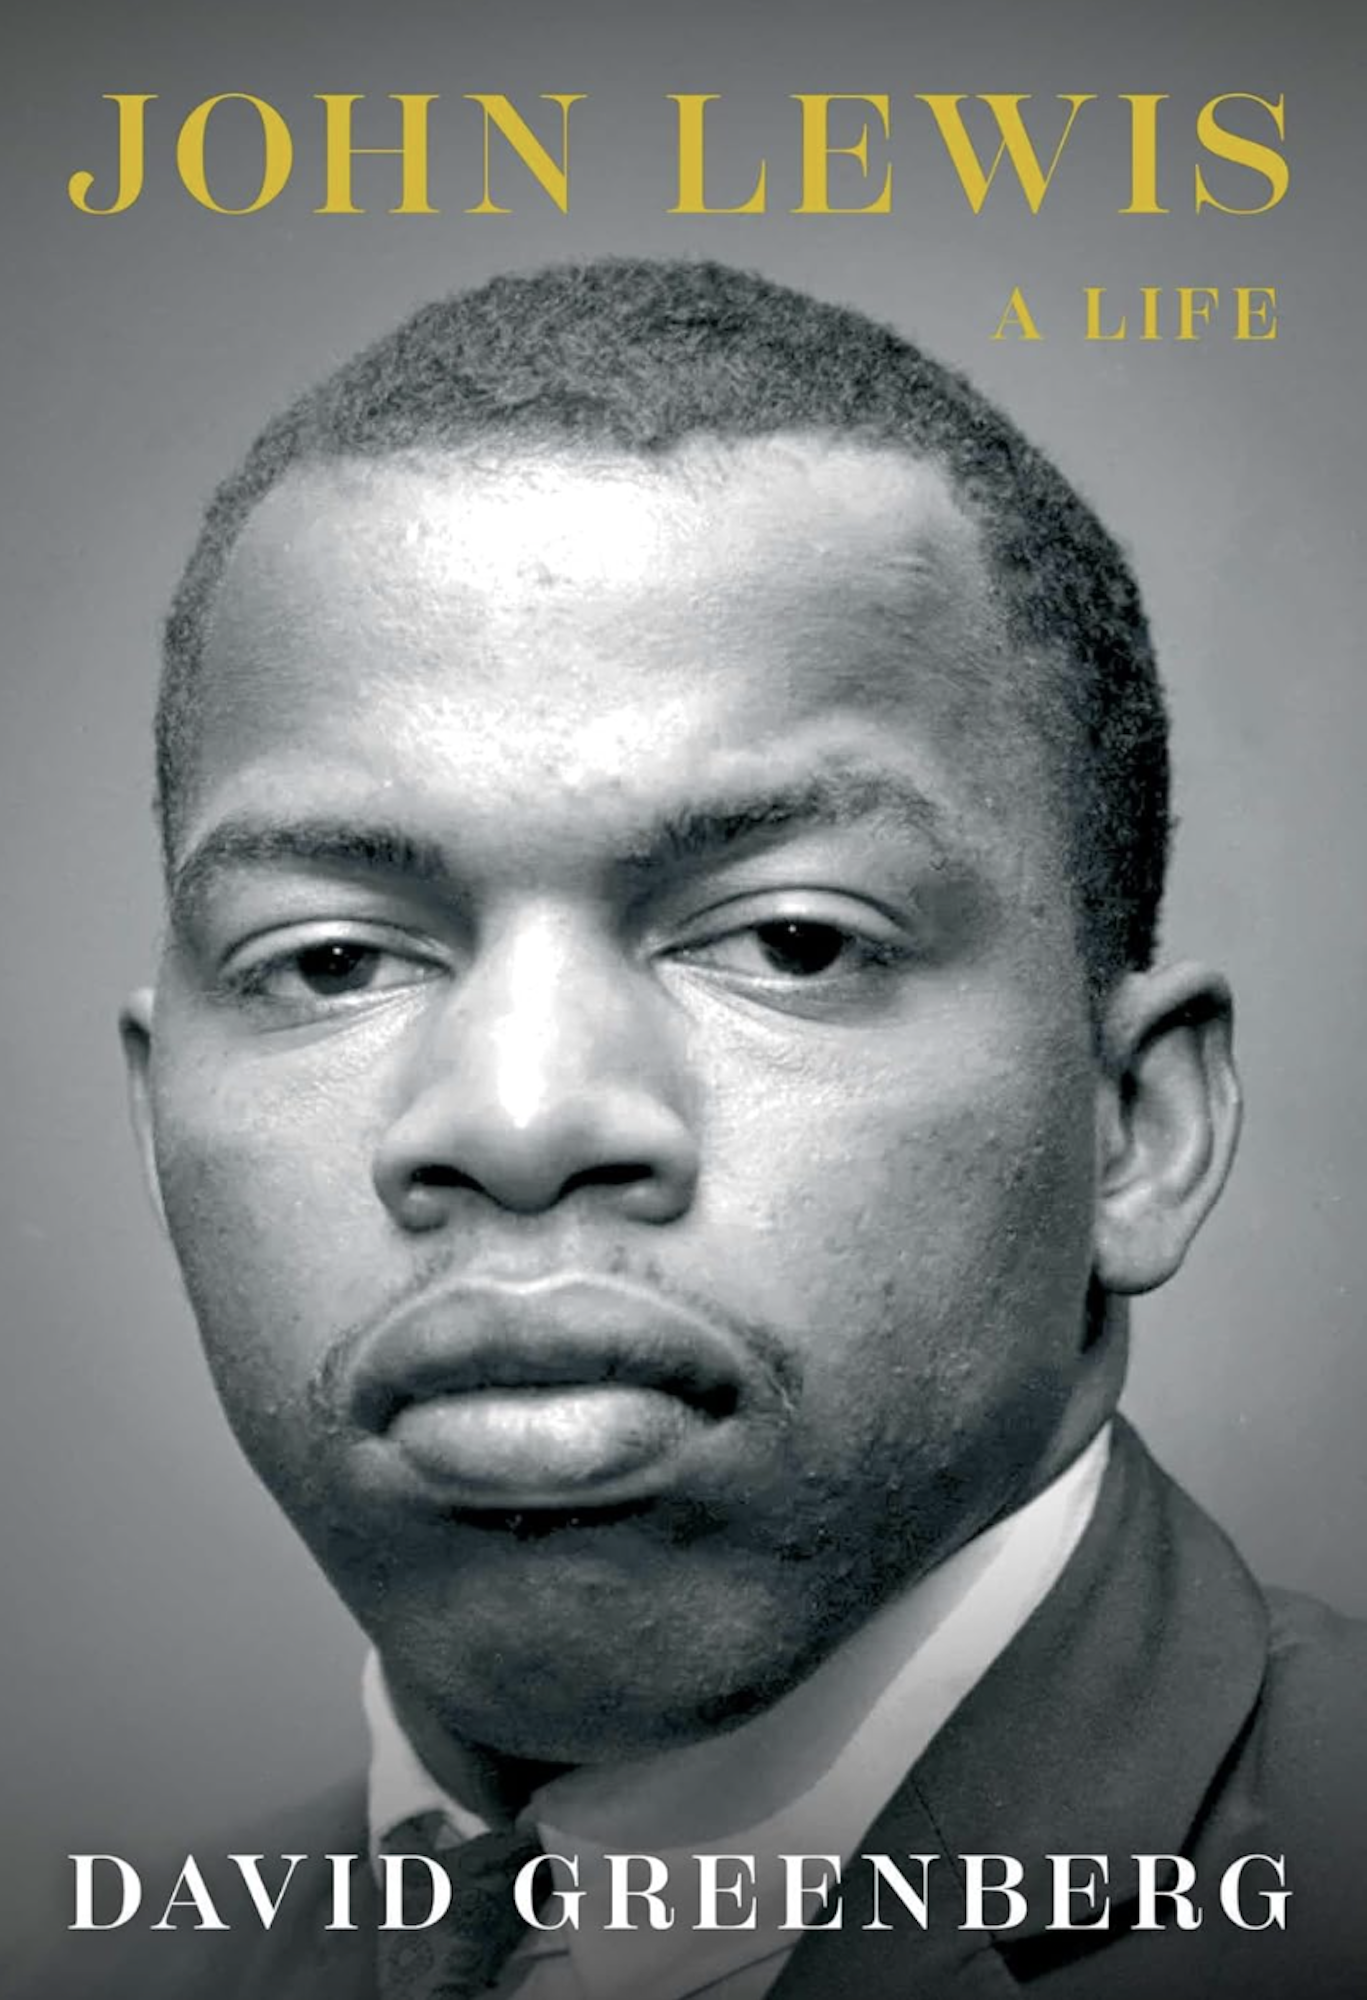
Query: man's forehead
{"x": 521, "y": 621}
{"x": 586, "y": 516}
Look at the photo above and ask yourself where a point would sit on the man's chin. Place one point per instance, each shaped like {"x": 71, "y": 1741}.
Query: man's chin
{"x": 567, "y": 1661}
{"x": 589, "y": 1726}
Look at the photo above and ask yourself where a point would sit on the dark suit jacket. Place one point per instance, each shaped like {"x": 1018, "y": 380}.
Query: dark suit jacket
{"x": 1158, "y": 1702}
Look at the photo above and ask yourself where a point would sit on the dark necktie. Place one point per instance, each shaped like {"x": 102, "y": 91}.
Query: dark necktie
{"x": 463, "y": 1954}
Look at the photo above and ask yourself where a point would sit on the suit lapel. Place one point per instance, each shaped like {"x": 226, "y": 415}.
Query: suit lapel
{"x": 1099, "y": 1730}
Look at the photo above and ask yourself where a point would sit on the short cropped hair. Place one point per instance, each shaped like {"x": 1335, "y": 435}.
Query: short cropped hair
{"x": 641, "y": 355}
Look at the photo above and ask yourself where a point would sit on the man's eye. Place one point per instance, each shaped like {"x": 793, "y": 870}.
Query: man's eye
{"x": 337, "y": 967}
{"x": 801, "y": 950}
{"x": 310, "y": 974}
{"x": 792, "y": 948}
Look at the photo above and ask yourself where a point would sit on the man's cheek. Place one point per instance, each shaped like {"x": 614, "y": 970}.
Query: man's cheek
{"x": 260, "y": 1259}
{"x": 969, "y": 1232}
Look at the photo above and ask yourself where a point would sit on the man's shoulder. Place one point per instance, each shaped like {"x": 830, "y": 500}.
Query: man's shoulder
{"x": 1309, "y": 1742}
{"x": 1268, "y": 1684}
{"x": 1312, "y": 1648}
{"x": 1292, "y": 1669}
{"x": 1287, "y": 1811}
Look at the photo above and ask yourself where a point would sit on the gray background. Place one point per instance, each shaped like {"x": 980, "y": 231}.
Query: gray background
{"x": 165, "y": 1642}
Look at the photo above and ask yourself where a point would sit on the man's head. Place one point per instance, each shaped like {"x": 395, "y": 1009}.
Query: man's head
{"x": 654, "y": 1069}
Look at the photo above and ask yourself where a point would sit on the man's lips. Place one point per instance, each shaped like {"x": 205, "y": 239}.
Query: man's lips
{"x": 564, "y": 1392}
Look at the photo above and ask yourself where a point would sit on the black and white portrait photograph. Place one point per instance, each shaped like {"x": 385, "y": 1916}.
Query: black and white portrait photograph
{"x": 683, "y": 726}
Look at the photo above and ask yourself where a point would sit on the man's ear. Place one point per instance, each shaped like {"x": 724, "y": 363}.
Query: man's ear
{"x": 1168, "y": 1113}
{"x": 135, "y": 1033}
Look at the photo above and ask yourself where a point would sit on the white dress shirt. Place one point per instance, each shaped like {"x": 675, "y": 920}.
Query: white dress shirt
{"x": 807, "y": 1776}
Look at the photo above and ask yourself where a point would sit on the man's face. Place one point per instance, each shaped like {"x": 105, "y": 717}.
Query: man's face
{"x": 621, "y": 1074}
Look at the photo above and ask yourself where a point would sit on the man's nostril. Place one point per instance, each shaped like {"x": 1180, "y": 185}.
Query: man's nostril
{"x": 615, "y": 1173}
{"x": 440, "y": 1175}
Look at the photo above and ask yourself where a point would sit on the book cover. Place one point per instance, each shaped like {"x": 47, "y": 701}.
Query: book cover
{"x": 1135, "y": 232}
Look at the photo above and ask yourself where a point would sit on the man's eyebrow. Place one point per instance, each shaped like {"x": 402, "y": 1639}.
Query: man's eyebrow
{"x": 251, "y": 842}
{"x": 840, "y": 795}
{"x": 692, "y": 832}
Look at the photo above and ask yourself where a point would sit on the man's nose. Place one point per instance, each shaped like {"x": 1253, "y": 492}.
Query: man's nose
{"x": 551, "y": 1069}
